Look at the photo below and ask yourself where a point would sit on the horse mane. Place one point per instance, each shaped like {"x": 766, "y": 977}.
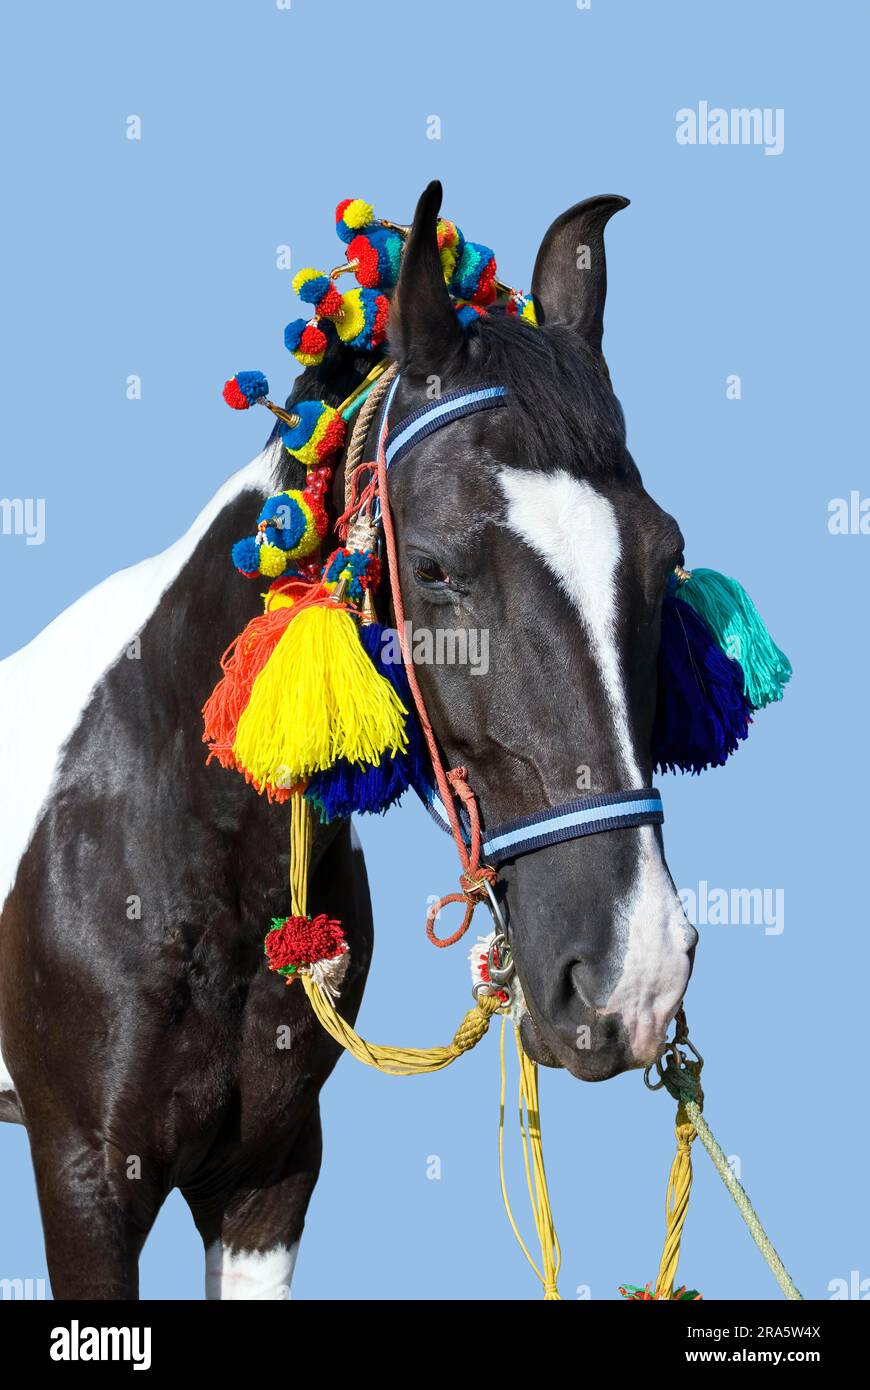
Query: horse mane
{"x": 565, "y": 408}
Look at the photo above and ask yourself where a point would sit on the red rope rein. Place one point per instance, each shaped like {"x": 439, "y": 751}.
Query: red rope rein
{"x": 475, "y": 876}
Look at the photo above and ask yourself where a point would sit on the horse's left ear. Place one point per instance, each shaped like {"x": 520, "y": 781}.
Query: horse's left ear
{"x": 570, "y": 275}
{"x": 425, "y": 334}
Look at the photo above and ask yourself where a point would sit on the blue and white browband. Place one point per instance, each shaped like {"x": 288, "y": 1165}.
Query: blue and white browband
{"x": 588, "y": 815}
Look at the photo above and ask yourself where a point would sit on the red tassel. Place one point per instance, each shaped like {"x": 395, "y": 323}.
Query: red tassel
{"x": 241, "y": 663}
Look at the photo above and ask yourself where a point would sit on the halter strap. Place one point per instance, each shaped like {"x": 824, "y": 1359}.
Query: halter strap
{"x": 586, "y": 815}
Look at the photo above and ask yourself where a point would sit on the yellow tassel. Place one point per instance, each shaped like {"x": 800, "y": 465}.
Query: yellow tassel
{"x": 317, "y": 699}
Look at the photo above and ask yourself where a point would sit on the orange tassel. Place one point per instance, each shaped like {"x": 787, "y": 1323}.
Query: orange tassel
{"x": 241, "y": 663}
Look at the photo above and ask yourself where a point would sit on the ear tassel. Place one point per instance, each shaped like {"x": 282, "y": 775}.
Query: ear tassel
{"x": 701, "y": 710}
{"x": 736, "y": 625}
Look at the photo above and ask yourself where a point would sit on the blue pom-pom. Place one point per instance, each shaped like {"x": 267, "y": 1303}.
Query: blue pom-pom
{"x": 245, "y": 555}
{"x": 309, "y": 413}
{"x": 701, "y": 710}
{"x": 293, "y": 334}
{"x": 253, "y": 385}
{"x": 288, "y": 518}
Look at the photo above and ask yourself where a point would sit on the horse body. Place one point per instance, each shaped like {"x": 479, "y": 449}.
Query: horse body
{"x": 146, "y": 1046}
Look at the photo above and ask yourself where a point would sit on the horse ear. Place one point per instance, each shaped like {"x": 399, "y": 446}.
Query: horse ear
{"x": 570, "y": 275}
{"x": 425, "y": 334}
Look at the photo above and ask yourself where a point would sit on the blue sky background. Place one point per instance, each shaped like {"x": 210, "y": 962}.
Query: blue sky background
{"x": 157, "y": 258}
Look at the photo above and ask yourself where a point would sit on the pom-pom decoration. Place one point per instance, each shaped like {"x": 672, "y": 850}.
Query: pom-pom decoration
{"x": 352, "y": 216}
{"x": 290, "y": 526}
{"x": 378, "y": 253}
{"x": 474, "y": 276}
{"x": 701, "y": 710}
{"x": 317, "y": 436}
{"x": 360, "y": 569}
{"x": 244, "y": 390}
{"x": 468, "y": 313}
{"x": 307, "y": 342}
{"x": 450, "y": 246}
{"x": 736, "y": 625}
{"x": 362, "y": 322}
{"x": 315, "y": 946}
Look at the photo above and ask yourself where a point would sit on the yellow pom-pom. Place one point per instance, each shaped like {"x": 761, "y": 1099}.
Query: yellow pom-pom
{"x": 318, "y": 698}
{"x": 273, "y": 561}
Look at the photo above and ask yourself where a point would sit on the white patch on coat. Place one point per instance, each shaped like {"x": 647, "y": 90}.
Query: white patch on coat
{"x": 655, "y": 966}
{"x": 6, "y": 1082}
{"x": 575, "y": 532}
{"x": 45, "y": 687}
{"x": 265, "y": 1275}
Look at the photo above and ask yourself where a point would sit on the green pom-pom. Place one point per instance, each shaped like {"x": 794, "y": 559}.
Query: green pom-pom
{"x": 736, "y": 625}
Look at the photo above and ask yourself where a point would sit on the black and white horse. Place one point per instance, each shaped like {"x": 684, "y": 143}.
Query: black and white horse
{"x": 138, "y": 1023}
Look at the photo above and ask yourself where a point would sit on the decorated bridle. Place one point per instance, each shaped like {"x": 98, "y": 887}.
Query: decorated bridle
{"x": 311, "y": 710}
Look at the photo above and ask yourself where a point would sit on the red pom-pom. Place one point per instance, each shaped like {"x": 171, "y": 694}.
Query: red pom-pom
{"x": 313, "y": 341}
{"x": 301, "y": 941}
{"x": 486, "y": 291}
{"x": 234, "y": 396}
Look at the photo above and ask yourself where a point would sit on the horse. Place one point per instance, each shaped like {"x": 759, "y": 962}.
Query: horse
{"x": 138, "y": 1024}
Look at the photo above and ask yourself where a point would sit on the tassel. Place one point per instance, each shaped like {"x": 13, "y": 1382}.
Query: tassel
{"x": 736, "y": 625}
{"x": 241, "y": 663}
{"x": 701, "y": 709}
{"x": 318, "y": 698}
{"x": 370, "y": 790}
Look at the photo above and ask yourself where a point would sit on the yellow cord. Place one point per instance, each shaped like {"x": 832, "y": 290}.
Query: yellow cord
{"x": 301, "y": 831}
{"x": 676, "y": 1208}
{"x": 536, "y": 1177}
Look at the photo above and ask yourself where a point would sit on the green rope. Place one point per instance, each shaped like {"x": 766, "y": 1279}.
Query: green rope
{"x": 742, "y": 1202}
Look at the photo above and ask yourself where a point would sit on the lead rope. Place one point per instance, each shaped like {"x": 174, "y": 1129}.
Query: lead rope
{"x": 681, "y": 1077}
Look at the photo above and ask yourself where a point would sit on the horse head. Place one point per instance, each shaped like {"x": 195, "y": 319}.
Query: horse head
{"x": 527, "y": 533}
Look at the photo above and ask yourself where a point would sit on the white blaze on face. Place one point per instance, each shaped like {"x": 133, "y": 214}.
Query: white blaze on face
{"x": 256, "y": 1275}
{"x": 574, "y": 531}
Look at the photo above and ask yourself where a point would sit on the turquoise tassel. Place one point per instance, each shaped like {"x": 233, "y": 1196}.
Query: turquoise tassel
{"x": 736, "y": 625}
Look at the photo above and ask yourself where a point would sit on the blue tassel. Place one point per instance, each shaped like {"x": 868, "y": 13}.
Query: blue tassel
{"x": 347, "y": 787}
{"x": 701, "y": 710}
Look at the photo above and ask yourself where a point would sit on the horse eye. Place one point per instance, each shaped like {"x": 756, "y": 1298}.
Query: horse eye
{"x": 428, "y": 571}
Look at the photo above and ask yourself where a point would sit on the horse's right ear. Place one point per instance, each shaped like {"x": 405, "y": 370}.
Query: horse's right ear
{"x": 425, "y": 334}
{"x": 570, "y": 276}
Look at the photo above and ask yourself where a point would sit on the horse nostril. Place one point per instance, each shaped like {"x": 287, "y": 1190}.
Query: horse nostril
{"x": 584, "y": 984}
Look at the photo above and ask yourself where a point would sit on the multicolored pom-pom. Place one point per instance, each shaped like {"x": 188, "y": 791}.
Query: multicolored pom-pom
{"x": 315, "y": 946}
{"x": 318, "y": 434}
{"x": 244, "y": 390}
{"x": 291, "y": 525}
{"x": 474, "y": 276}
{"x": 352, "y": 216}
{"x": 361, "y": 569}
{"x": 450, "y": 246}
{"x": 306, "y": 341}
{"x": 378, "y": 253}
{"x": 362, "y": 323}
